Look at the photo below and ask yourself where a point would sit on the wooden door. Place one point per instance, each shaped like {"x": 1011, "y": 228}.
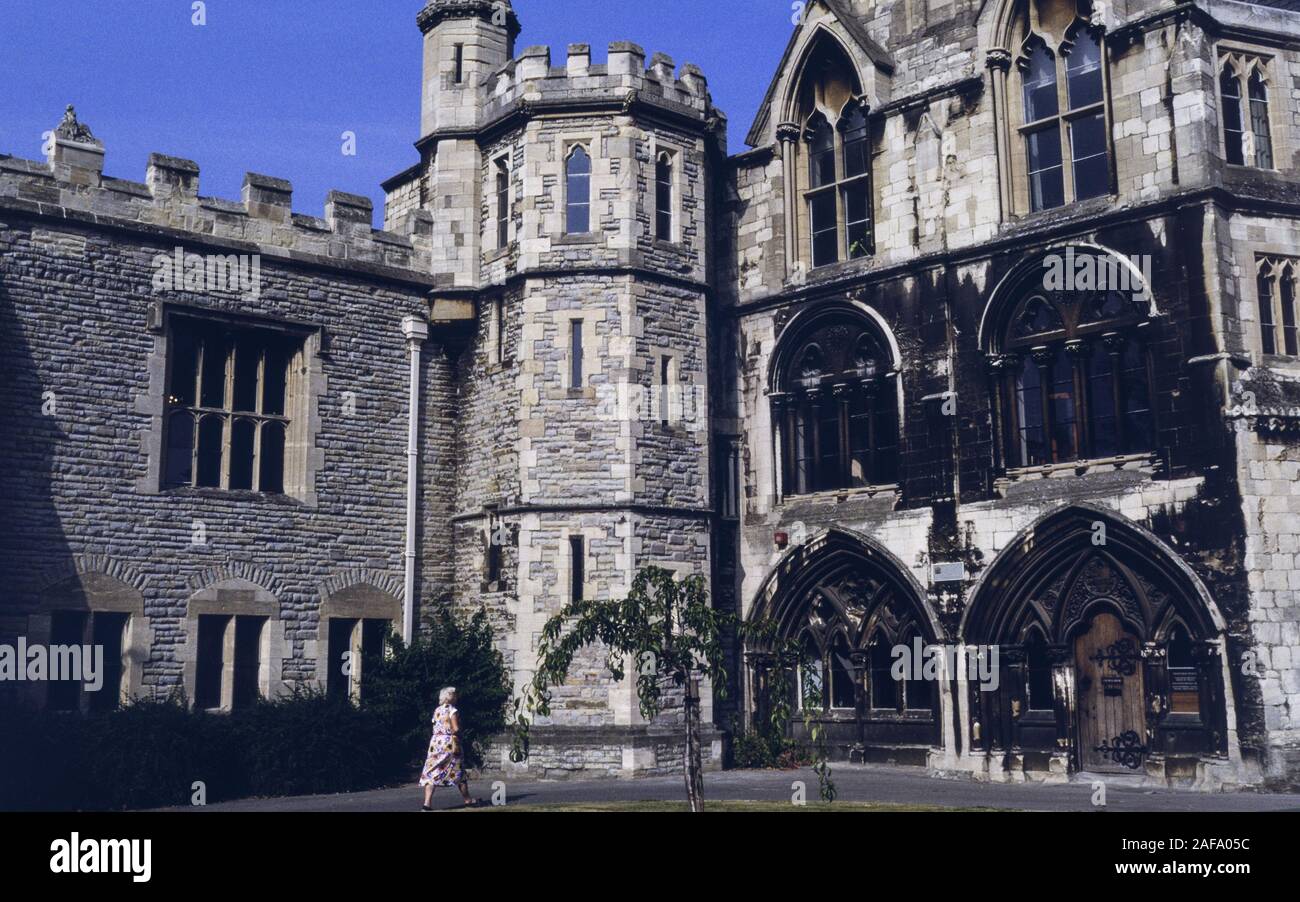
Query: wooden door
{"x": 1112, "y": 721}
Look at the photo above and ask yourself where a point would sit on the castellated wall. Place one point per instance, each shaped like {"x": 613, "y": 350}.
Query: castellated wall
{"x": 85, "y": 364}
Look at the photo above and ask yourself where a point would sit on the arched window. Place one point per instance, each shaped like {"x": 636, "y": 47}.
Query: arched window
{"x": 1075, "y": 374}
{"x": 839, "y": 186}
{"x": 577, "y": 191}
{"x": 1038, "y": 673}
{"x": 1243, "y": 97}
{"x": 836, "y": 406}
{"x": 1063, "y": 119}
{"x": 664, "y": 197}
{"x": 1276, "y": 288}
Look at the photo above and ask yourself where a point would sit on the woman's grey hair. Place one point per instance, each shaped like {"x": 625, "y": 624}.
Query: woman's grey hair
{"x": 447, "y": 696}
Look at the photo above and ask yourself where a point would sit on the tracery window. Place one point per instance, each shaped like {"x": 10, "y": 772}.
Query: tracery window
{"x": 1243, "y": 95}
{"x": 1075, "y": 377}
{"x": 837, "y": 407}
{"x": 1275, "y": 286}
{"x": 1063, "y": 118}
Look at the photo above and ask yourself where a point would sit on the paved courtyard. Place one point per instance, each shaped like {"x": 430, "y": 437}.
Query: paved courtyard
{"x": 855, "y": 783}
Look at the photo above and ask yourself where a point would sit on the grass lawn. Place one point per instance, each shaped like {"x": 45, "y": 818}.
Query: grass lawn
{"x": 724, "y": 805}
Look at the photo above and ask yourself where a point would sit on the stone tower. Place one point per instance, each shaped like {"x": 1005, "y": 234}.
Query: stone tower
{"x": 570, "y": 210}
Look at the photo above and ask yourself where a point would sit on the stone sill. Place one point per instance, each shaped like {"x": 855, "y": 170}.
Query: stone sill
{"x": 1145, "y": 462}
{"x": 840, "y": 496}
{"x": 577, "y": 238}
{"x": 235, "y": 495}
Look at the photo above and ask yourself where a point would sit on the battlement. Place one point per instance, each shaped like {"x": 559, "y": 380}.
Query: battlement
{"x": 71, "y": 185}
{"x": 531, "y": 79}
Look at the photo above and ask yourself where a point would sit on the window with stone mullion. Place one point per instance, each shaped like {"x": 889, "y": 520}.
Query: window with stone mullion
{"x": 1064, "y": 122}
{"x": 226, "y": 420}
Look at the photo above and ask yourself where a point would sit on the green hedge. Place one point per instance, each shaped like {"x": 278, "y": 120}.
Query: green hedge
{"x": 149, "y": 754}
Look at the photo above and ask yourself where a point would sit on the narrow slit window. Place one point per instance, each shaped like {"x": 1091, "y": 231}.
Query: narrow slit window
{"x": 1258, "y": 91}
{"x": 577, "y": 568}
{"x": 664, "y": 197}
{"x": 503, "y": 204}
{"x": 460, "y": 64}
{"x": 576, "y": 376}
{"x": 665, "y": 389}
{"x": 1267, "y": 328}
{"x": 1233, "y": 144}
{"x": 1286, "y": 294}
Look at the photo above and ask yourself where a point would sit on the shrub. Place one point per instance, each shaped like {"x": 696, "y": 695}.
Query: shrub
{"x": 149, "y": 754}
{"x": 402, "y": 690}
{"x": 757, "y": 751}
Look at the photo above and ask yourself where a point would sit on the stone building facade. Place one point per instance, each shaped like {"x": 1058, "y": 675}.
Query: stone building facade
{"x": 986, "y": 350}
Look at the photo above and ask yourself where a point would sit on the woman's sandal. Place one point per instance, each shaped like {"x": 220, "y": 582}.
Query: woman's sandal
{"x": 473, "y": 803}
{"x": 425, "y": 808}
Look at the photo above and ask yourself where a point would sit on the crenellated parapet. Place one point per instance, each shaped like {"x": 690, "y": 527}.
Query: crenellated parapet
{"x": 530, "y": 83}
{"x": 70, "y": 184}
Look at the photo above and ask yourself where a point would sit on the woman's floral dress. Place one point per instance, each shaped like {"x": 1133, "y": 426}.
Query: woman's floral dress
{"x": 443, "y": 767}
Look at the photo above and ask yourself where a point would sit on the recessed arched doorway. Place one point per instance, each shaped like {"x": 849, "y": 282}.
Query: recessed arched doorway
{"x": 850, "y": 606}
{"x": 1110, "y": 655}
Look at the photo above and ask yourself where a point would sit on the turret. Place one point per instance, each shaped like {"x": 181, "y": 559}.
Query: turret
{"x": 464, "y": 42}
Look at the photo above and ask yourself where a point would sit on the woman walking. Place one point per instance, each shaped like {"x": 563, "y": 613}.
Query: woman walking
{"x": 445, "y": 765}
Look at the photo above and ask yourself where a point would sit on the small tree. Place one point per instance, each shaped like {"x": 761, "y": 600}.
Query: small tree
{"x": 667, "y": 629}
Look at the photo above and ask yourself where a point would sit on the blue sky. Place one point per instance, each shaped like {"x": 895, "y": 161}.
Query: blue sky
{"x": 270, "y": 85}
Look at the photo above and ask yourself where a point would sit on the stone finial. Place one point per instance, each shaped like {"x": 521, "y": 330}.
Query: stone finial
{"x": 70, "y": 129}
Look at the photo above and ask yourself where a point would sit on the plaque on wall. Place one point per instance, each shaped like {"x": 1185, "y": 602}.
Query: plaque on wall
{"x": 1183, "y": 679}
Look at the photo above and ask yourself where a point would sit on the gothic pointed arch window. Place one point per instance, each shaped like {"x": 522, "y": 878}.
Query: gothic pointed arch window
{"x": 1275, "y": 285}
{"x": 1057, "y": 140}
{"x": 833, "y": 135}
{"x": 836, "y": 405}
{"x": 1244, "y": 101}
{"x": 577, "y": 191}
{"x": 1064, "y": 122}
{"x": 1072, "y": 369}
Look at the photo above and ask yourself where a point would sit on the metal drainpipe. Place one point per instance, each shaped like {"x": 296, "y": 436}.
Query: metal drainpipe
{"x": 416, "y": 331}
